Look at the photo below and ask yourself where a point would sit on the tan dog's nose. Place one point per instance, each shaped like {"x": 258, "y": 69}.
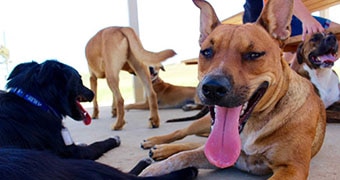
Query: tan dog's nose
{"x": 215, "y": 87}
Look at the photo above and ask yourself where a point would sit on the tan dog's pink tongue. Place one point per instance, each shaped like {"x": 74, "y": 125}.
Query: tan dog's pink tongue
{"x": 224, "y": 144}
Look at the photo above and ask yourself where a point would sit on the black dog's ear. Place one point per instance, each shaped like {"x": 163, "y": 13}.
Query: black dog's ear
{"x": 21, "y": 68}
{"x": 299, "y": 54}
{"x": 49, "y": 71}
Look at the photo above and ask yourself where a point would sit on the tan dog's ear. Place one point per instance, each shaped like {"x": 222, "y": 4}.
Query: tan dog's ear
{"x": 208, "y": 19}
{"x": 276, "y": 17}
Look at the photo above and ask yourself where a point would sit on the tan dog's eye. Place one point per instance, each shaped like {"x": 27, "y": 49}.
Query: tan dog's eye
{"x": 252, "y": 55}
{"x": 207, "y": 53}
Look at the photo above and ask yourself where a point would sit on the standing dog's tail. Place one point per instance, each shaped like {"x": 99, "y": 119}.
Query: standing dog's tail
{"x": 140, "y": 53}
{"x": 200, "y": 114}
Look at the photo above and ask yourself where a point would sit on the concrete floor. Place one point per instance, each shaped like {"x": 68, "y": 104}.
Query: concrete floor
{"x": 324, "y": 166}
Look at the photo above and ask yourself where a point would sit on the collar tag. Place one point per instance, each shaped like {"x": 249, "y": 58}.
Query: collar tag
{"x": 66, "y": 136}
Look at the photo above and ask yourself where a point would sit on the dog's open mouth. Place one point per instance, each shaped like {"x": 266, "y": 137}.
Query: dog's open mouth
{"x": 86, "y": 116}
{"x": 325, "y": 60}
{"x": 223, "y": 146}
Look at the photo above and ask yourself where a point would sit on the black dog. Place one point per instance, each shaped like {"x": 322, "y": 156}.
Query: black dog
{"x": 32, "y": 133}
{"x": 31, "y": 113}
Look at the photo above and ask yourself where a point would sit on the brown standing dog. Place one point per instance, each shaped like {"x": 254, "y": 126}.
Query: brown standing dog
{"x": 169, "y": 95}
{"x": 118, "y": 48}
{"x": 267, "y": 118}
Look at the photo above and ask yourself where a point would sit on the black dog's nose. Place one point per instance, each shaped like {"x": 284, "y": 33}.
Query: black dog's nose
{"x": 215, "y": 87}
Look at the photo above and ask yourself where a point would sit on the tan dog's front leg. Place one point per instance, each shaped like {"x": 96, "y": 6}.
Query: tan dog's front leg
{"x": 200, "y": 126}
{"x": 163, "y": 151}
{"x": 193, "y": 158}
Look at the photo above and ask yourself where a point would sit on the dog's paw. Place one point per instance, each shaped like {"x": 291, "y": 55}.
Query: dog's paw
{"x": 154, "y": 122}
{"x": 160, "y": 152}
{"x": 146, "y": 144}
{"x": 117, "y": 139}
{"x": 118, "y": 126}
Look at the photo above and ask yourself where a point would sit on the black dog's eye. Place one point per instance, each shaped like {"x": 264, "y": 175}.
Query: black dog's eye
{"x": 252, "y": 55}
{"x": 207, "y": 53}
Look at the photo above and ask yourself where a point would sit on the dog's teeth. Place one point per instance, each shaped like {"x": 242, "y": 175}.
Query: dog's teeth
{"x": 244, "y": 107}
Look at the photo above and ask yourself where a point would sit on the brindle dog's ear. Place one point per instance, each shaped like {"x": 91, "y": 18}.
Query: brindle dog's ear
{"x": 276, "y": 17}
{"x": 208, "y": 19}
{"x": 299, "y": 54}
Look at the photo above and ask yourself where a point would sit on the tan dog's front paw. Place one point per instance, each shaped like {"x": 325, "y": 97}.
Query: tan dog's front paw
{"x": 118, "y": 126}
{"x": 146, "y": 144}
{"x": 154, "y": 122}
{"x": 151, "y": 142}
{"x": 160, "y": 152}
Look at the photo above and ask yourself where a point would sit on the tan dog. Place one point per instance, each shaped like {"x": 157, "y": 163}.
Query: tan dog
{"x": 169, "y": 95}
{"x": 267, "y": 118}
{"x": 314, "y": 60}
{"x": 118, "y": 48}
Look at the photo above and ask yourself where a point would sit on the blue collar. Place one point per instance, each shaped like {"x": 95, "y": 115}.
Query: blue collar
{"x": 34, "y": 101}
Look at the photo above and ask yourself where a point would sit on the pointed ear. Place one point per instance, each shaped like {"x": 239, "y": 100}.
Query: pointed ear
{"x": 208, "y": 19}
{"x": 276, "y": 17}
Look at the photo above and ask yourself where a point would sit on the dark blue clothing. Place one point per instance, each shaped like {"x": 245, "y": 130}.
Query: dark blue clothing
{"x": 253, "y": 8}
